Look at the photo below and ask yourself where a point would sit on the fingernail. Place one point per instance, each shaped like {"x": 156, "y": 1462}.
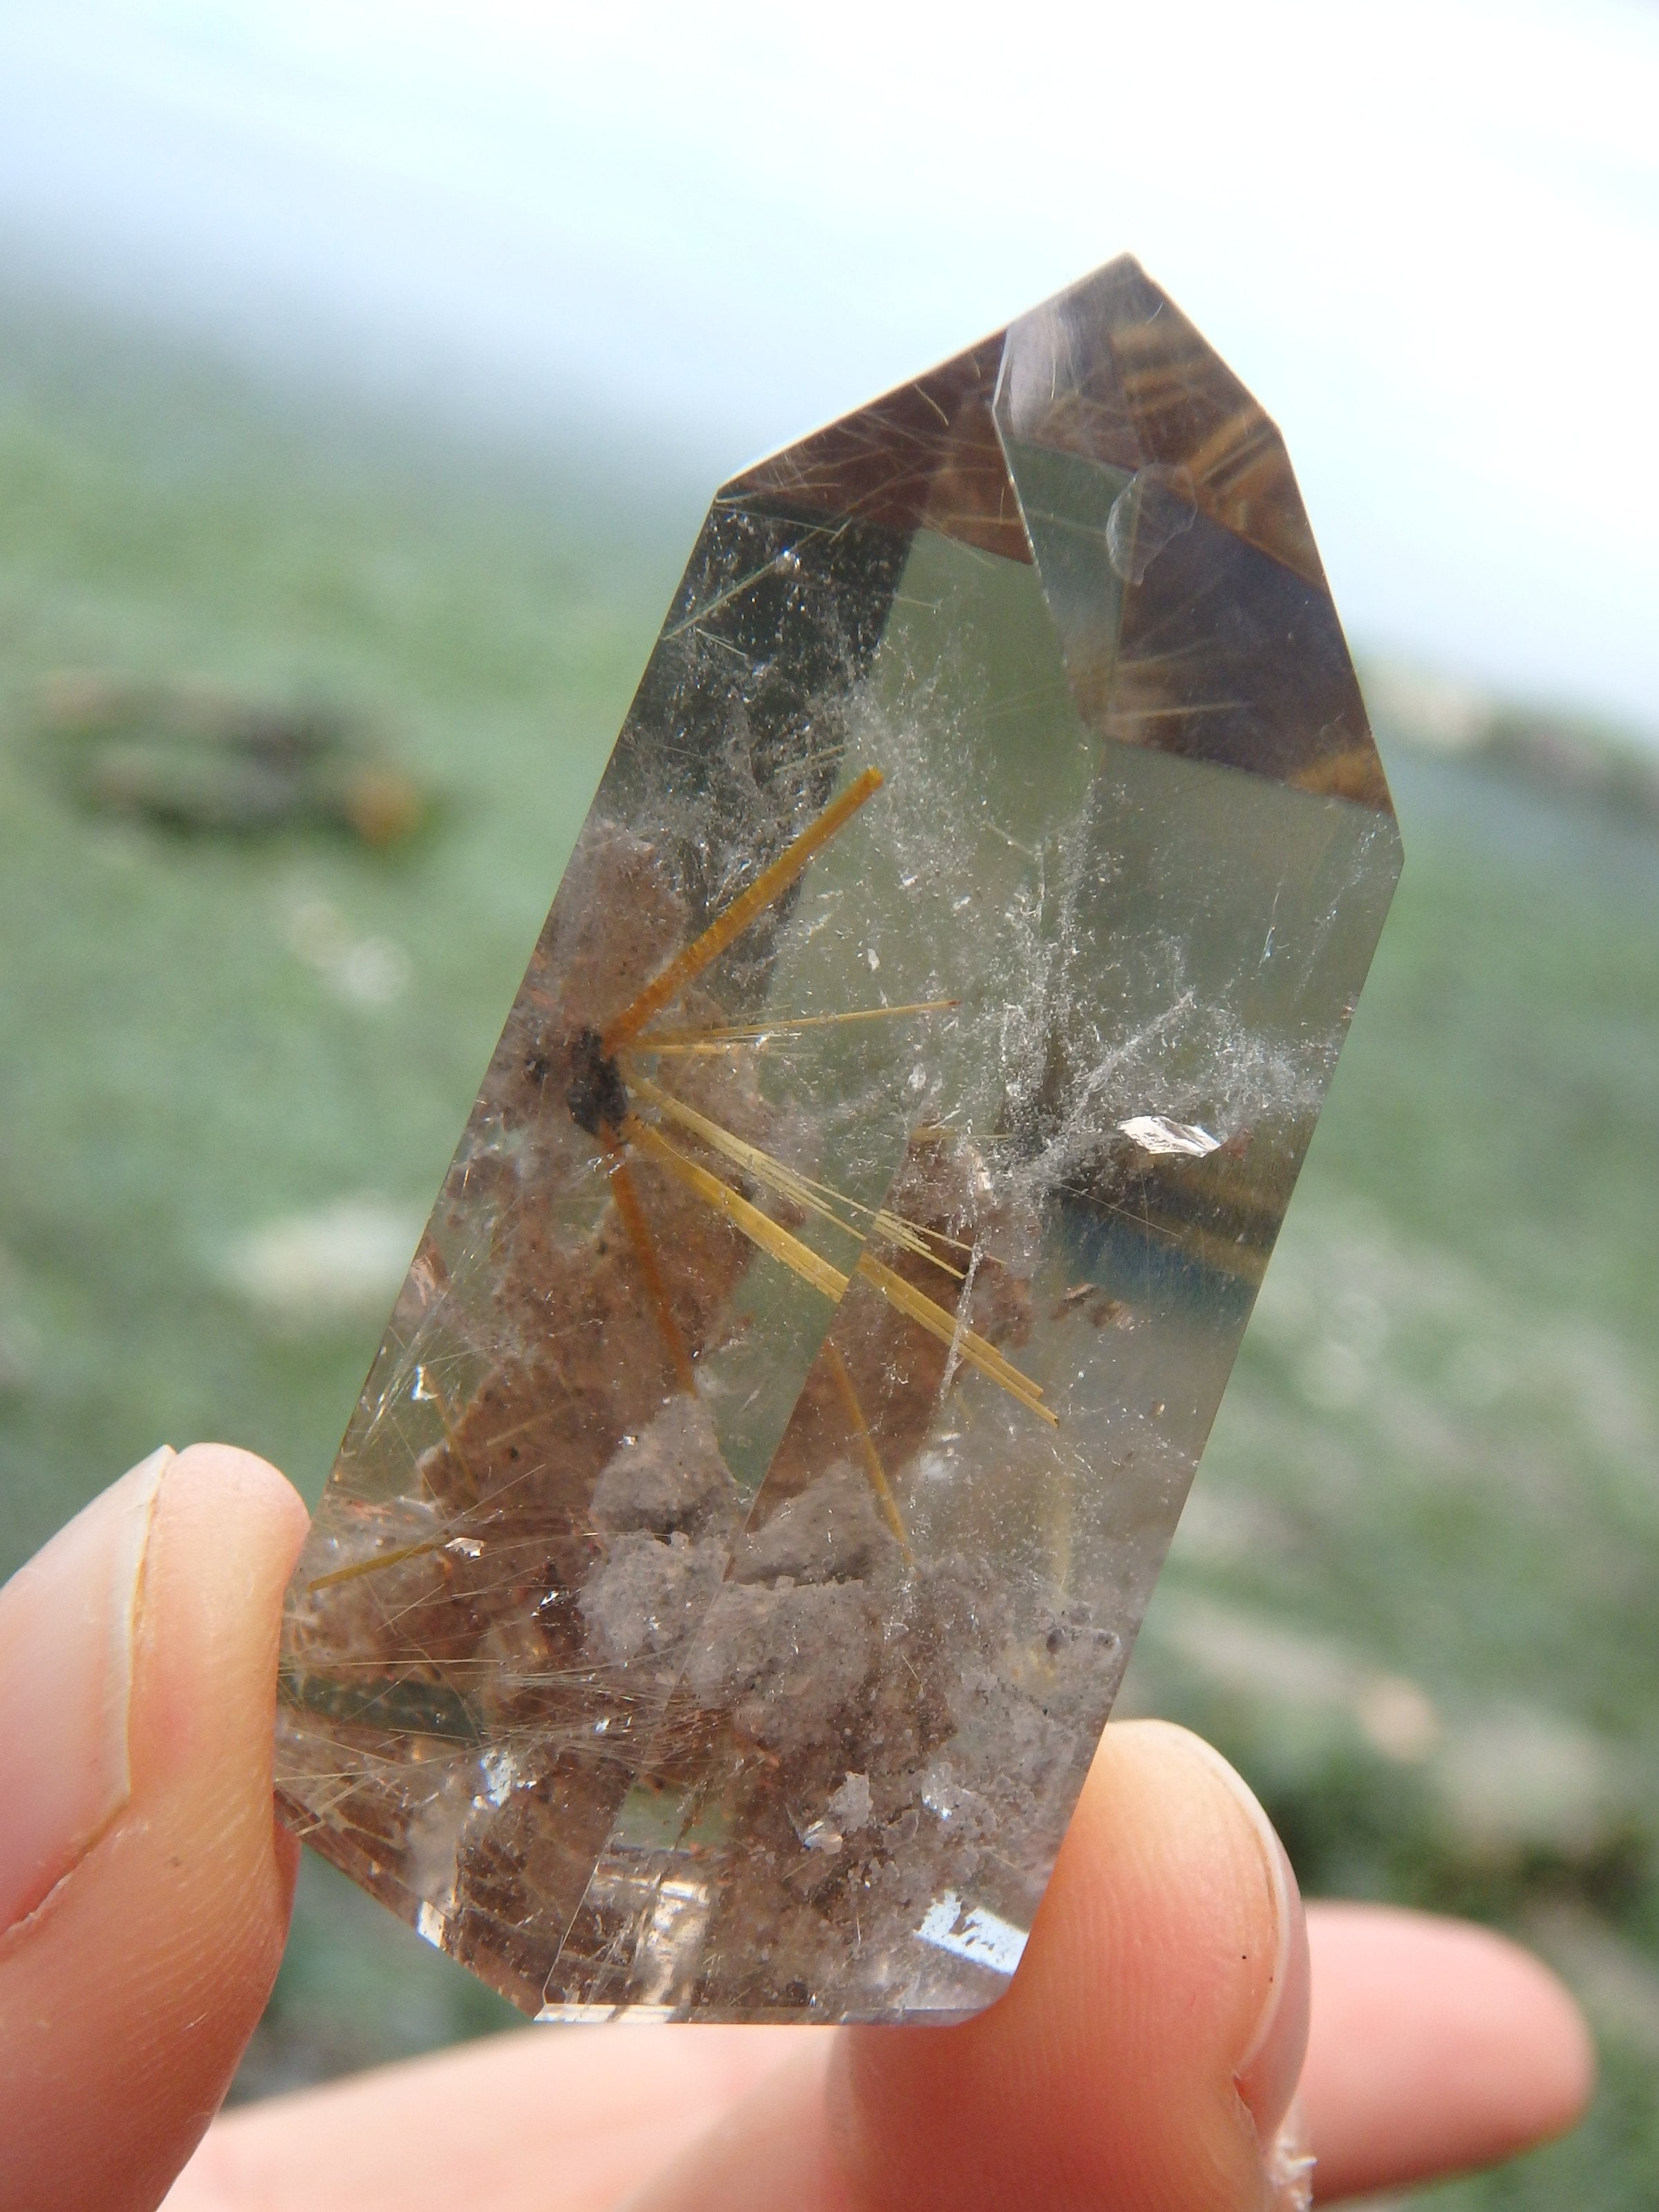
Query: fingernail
{"x": 67, "y": 1623}
{"x": 1270, "y": 2065}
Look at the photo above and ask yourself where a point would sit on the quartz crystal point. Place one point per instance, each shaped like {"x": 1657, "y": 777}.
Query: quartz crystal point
{"x": 729, "y": 1568}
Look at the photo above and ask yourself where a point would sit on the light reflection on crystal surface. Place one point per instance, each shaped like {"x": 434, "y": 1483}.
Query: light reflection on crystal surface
{"x": 735, "y": 1553}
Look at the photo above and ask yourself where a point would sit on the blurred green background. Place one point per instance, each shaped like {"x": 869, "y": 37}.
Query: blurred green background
{"x": 1412, "y": 1597}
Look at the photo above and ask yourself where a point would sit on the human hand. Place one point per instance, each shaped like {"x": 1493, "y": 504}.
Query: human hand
{"x": 1145, "y": 2055}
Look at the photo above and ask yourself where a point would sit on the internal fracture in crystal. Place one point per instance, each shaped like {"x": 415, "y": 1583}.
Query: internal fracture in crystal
{"x": 731, "y": 1563}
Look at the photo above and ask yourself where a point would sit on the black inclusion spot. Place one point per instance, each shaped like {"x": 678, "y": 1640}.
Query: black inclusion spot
{"x": 598, "y": 1097}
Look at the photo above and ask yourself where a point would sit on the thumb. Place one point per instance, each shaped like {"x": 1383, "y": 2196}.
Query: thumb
{"x": 144, "y": 1890}
{"x": 1144, "y": 2056}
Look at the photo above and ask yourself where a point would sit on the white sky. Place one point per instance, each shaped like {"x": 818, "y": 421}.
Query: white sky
{"x": 1426, "y": 232}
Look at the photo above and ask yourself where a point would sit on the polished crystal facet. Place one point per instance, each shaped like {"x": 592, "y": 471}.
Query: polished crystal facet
{"x": 729, "y": 1568}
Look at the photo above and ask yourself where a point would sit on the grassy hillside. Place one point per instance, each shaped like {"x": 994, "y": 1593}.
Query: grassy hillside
{"x": 1412, "y": 1596}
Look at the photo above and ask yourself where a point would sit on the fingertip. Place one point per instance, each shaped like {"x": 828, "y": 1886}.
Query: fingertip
{"x": 1163, "y": 1961}
{"x": 1570, "y": 2065}
{"x": 226, "y": 1532}
{"x": 1437, "y": 2046}
{"x": 259, "y": 1497}
{"x": 1554, "y": 2078}
{"x": 144, "y": 1971}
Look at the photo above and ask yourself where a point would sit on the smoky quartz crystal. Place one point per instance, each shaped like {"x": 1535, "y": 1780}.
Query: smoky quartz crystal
{"x": 730, "y": 1566}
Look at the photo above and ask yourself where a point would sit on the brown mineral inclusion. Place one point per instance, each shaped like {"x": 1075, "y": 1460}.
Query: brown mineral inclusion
{"x": 729, "y": 1568}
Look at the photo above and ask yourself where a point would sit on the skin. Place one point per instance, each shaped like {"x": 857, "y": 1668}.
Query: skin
{"x": 1145, "y": 2057}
